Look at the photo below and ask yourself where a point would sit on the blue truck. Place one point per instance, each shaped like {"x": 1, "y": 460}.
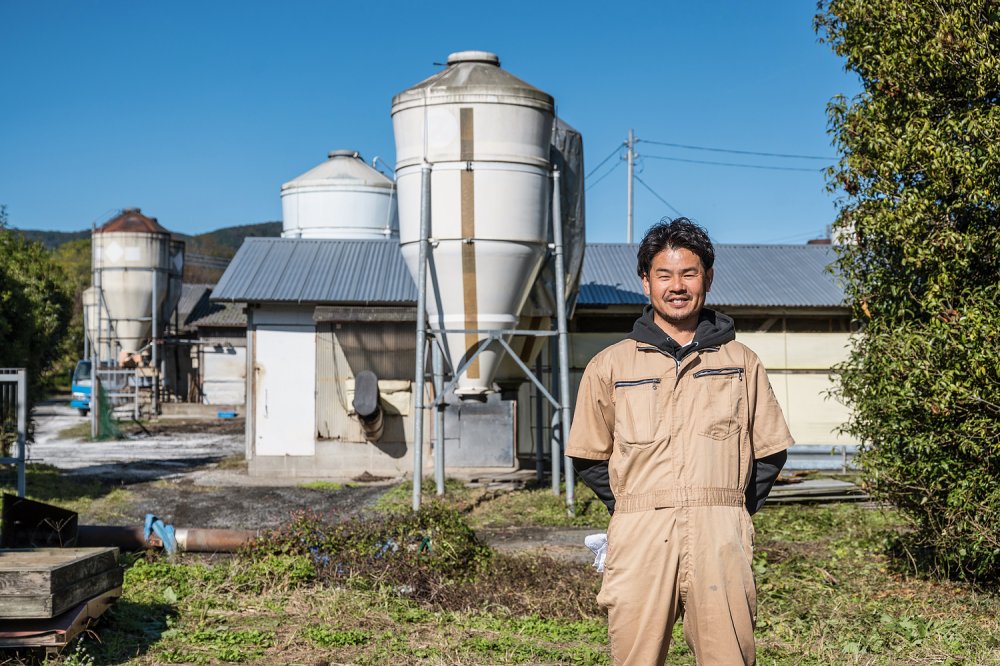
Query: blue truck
{"x": 80, "y": 385}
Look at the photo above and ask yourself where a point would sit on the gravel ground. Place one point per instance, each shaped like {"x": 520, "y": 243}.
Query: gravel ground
{"x": 187, "y": 472}
{"x": 190, "y": 474}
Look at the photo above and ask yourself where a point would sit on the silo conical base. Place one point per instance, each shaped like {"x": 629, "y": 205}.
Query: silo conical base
{"x": 491, "y": 280}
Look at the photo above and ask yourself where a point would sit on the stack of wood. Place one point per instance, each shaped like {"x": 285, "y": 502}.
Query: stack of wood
{"x": 49, "y": 595}
{"x": 816, "y": 491}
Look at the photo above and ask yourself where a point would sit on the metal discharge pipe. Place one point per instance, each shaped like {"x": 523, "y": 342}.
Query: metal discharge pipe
{"x": 154, "y": 407}
{"x": 437, "y": 365}
{"x": 564, "y": 421}
{"x": 418, "y": 389}
{"x": 539, "y": 430}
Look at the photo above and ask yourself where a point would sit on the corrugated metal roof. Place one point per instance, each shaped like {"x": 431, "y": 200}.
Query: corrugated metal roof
{"x": 191, "y": 296}
{"x": 373, "y": 272}
{"x": 294, "y": 270}
{"x": 745, "y": 276}
{"x": 221, "y": 315}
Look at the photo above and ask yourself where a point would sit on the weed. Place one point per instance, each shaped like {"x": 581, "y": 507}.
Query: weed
{"x": 326, "y": 637}
{"x": 412, "y": 551}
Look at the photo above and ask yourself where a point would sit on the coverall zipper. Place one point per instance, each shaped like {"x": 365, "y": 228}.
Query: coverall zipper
{"x": 720, "y": 372}
{"x": 637, "y": 382}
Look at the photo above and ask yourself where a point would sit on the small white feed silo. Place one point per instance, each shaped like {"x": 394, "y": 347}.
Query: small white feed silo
{"x": 132, "y": 254}
{"x": 486, "y": 135}
{"x": 341, "y": 198}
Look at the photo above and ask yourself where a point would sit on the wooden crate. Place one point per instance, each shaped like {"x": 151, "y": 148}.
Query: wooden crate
{"x": 44, "y": 582}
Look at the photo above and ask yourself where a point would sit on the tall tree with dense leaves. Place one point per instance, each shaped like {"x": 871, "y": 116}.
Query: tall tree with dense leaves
{"x": 36, "y": 304}
{"x": 919, "y": 214}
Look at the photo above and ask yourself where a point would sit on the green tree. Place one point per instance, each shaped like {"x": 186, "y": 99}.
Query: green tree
{"x": 73, "y": 257}
{"x": 918, "y": 175}
{"x": 35, "y": 306}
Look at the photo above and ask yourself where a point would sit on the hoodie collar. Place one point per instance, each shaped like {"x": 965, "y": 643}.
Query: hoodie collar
{"x": 714, "y": 328}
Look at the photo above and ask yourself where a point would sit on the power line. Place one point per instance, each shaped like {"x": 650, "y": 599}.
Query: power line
{"x": 737, "y": 152}
{"x": 668, "y": 204}
{"x": 594, "y": 170}
{"x": 732, "y": 164}
{"x": 606, "y": 174}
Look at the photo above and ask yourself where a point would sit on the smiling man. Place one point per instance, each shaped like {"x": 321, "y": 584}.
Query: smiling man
{"x": 677, "y": 430}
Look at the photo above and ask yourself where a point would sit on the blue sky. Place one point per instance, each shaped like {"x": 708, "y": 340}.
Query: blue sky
{"x": 197, "y": 112}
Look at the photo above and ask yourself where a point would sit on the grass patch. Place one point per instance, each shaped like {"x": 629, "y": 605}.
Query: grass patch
{"x": 457, "y": 496}
{"x": 97, "y": 501}
{"x": 341, "y": 593}
{"x": 76, "y": 431}
{"x": 502, "y": 507}
{"x": 538, "y": 507}
{"x": 327, "y": 486}
{"x": 235, "y": 461}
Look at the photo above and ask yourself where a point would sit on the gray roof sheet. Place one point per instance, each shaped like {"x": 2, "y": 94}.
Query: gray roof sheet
{"x": 221, "y": 315}
{"x": 191, "y": 296}
{"x": 296, "y": 270}
{"x": 745, "y": 276}
{"x": 372, "y": 272}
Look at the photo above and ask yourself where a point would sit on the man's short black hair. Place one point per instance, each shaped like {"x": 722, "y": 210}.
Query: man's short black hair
{"x": 678, "y": 233}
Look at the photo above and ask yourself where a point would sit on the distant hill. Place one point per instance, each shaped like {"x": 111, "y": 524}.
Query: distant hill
{"x": 219, "y": 243}
{"x": 224, "y": 242}
{"x": 52, "y": 239}
{"x": 204, "y": 251}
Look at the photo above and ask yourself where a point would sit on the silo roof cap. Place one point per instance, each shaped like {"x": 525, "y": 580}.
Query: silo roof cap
{"x": 131, "y": 220}
{"x": 473, "y": 76}
{"x": 344, "y": 167}
{"x": 474, "y": 56}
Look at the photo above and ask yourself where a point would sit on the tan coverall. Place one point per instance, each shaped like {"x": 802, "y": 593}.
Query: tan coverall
{"x": 680, "y": 440}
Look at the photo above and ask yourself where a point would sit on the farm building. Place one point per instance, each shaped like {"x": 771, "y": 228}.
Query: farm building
{"x": 320, "y": 311}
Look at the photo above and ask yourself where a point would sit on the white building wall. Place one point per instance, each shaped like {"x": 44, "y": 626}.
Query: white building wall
{"x": 798, "y": 365}
{"x": 284, "y": 382}
{"x": 224, "y": 370}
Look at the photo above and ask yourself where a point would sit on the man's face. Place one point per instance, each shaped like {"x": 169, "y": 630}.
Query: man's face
{"x": 676, "y": 285}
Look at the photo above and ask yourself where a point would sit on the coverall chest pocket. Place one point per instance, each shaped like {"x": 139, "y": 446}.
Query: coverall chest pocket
{"x": 720, "y": 397}
{"x": 636, "y": 413}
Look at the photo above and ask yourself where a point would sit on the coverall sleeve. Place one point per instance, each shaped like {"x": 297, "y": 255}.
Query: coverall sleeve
{"x": 591, "y": 438}
{"x": 768, "y": 430}
{"x": 592, "y": 433}
{"x": 763, "y": 474}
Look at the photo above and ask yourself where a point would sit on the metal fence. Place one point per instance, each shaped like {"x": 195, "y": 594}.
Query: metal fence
{"x": 823, "y": 457}
{"x": 14, "y": 420}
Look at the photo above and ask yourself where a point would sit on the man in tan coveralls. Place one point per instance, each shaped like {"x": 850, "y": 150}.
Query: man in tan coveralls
{"x": 677, "y": 430}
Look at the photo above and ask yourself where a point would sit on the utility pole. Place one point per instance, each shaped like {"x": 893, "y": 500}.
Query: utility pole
{"x": 630, "y": 143}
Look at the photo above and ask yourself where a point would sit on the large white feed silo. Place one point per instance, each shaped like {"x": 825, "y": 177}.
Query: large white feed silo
{"x": 486, "y": 136}
{"x": 341, "y": 198}
{"x": 132, "y": 254}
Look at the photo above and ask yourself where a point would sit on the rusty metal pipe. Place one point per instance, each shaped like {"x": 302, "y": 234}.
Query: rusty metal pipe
{"x": 192, "y": 540}
{"x": 202, "y": 540}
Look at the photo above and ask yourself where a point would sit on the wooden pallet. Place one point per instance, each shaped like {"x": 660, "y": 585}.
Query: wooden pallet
{"x": 46, "y": 582}
{"x": 53, "y": 634}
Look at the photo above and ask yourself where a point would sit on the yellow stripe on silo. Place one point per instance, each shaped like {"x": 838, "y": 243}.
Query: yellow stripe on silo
{"x": 468, "y": 195}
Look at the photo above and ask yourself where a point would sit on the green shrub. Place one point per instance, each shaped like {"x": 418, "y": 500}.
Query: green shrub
{"x": 920, "y": 211}
{"x": 416, "y": 552}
